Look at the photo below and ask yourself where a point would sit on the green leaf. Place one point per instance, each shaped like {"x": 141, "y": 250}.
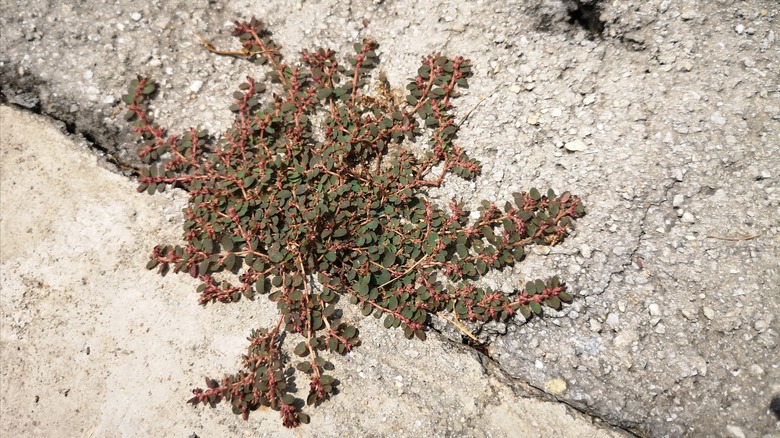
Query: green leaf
{"x": 535, "y": 195}
{"x": 324, "y": 93}
{"x": 525, "y": 311}
{"x": 433, "y": 238}
{"x": 540, "y": 287}
{"x": 535, "y": 307}
{"x": 392, "y": 304}
{"x": 389, "y": 258}
{"x": 383, "y": 277}
{"x": 260, "y": 285}
{"x": 488, "y": 232}
{"x": 229, "y": 261}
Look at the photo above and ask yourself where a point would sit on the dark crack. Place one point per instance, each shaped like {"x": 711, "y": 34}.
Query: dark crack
{"x": 523, "y": 388}
{"x": 586, "y": 13}
{"x": 634, "y": 257}
{"x": 27, "y": 101}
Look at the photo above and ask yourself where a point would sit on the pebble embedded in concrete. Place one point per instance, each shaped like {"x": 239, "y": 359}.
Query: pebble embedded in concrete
{"x": 195, "y": 86}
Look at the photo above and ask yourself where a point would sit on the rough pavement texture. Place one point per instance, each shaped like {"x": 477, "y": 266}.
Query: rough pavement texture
{"x": 667, "y": 123}
{"x": 94, "y": 346}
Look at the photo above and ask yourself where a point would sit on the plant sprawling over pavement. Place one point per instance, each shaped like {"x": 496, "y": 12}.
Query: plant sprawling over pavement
{"x": 311, "y": 182}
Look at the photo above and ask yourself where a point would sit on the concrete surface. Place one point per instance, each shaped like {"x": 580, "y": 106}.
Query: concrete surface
{"x": 93, "y": 346}
{"x": 667, "y": 124}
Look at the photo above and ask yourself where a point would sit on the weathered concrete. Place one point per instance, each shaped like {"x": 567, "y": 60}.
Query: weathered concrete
{"x": 668, "y": 125}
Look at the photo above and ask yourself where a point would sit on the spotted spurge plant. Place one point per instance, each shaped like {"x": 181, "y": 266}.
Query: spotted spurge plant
{"x": 312, "y": 195}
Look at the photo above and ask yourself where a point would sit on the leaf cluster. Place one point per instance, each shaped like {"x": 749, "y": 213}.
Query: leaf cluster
{"x": 312, "y": 182}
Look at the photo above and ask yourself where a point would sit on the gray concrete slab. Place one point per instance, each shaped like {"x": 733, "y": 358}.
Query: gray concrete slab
{"x": 95, "y": 346}
{"x": 667, "y": 124}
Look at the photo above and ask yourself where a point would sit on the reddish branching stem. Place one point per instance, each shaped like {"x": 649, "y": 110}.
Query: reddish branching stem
{"x": 311, "y": 180}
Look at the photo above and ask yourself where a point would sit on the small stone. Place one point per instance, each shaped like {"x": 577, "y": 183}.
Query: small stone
{"x": 688, "y": 218}
{"x": 88, "y": 74}
{"x": 718, "y": 119}
{"x": 660, "y": 329}
{"x": 595, "y": 325}
{"x": 195, "y": 86}
{"x": 756, "y": 370}
{"x": 709, "y": 312}
{"x": 589, "y": 99}
{"x": 689, "y": 315}
{"x": 515, "y": 89}
{"x": 136, "y": 16}
{"x": 739, "y": 28}
{"x": 586, "y": 251}
{"x": 678, "y": 200}
{"x": 684, "y": 66}
{"x": 735, "y": 431}
{"x": 688, "y": 15}
{"x": 655, "y": 309}
{"x": 749, "y": 62}
{"x": 613, "y": 320}
{"x": 555, "y": 386}
{"x": 534, "y": 119}
{"x": 576, "y": 146}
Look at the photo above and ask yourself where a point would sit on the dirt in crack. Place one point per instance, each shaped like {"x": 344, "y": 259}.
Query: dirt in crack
{"x": 586, "y": 14}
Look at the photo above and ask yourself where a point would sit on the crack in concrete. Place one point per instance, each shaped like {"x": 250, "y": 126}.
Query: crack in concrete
{"x": 118, "y": 165}
{"x": 481, "y": 354}
{"x": 632, "y": 258}
{"x": 492, "y": 367}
